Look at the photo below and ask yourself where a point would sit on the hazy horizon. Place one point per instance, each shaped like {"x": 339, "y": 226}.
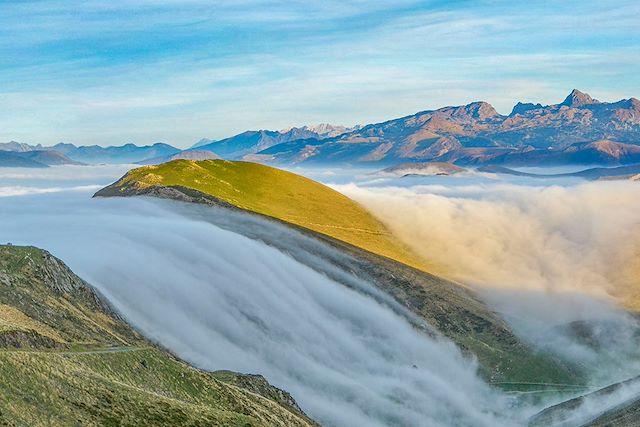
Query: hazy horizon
{"x": 249, "y": 129}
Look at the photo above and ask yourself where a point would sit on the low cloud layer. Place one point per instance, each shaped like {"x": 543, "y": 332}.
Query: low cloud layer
{"x": 582, "y": 238}
{"x": 555, "y": 260}
{"x": 224, "y": 301}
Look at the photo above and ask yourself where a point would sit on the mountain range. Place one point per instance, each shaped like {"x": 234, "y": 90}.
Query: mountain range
{"x": 182, "y": 155}
{"x": 578, "y": 130}
{"x": 128, "y": 153}
{"x": 13, "y": 153}
{"x": 16, "y": 154}
{"x": 251, "y": 142}
{"x": 34, "y": 159}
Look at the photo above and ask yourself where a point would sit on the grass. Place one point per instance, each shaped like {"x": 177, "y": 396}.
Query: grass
{"x": 137, "y": 388}
{"x": 449, "y": 307}
{"x": 275, "y": 193}
{"x": 66, "y": 359}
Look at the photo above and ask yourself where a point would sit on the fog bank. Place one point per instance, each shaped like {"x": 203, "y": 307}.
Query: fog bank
{"x": 547, "y": 257}
{"x": 224, "y": 301}
{"x": 583, "y": 238}
{"x": 555, "y": 260}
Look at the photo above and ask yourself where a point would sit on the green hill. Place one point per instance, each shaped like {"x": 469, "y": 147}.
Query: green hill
{"x": 66, "y": 359}
{"x": 272, "y": 192}
{"x": 365, "y": 249}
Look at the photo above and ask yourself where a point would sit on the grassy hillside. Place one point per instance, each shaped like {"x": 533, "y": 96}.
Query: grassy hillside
{"x": 67, "y": 359}
{"x": 275, "y": 193}
{"x": 365, "y": 248}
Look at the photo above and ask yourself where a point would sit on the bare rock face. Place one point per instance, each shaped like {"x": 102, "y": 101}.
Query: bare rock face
{"x": 521, "y": 108}
{"x": 447, "y": 134}
{"x": 578, "y": 99}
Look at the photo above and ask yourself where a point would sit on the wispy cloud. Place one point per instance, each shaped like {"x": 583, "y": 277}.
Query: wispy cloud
{"x": 105, "y": 72}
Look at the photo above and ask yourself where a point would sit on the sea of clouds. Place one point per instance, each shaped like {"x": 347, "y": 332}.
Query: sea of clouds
{"x": 224, "y": 301}
{"x": 545, "y": 256}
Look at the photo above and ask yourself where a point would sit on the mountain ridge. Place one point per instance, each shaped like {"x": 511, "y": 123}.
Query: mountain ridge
{"x": 449, "y": 131}
{"x": 475, "y": 133}
{"x": 253, "y": 141}
{"x": 34, "y": 159}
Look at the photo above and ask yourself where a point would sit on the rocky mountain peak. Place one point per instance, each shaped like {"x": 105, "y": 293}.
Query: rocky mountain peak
{"x": 478, "y": 110}
{"x": 19, "y": 147}
{"x": 523, "y": 107}
{"x": 578, "y": 99}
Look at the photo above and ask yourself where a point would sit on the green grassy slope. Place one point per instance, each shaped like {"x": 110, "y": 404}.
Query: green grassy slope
{"x": 275, "y": 193}
{"x": 364, "y": 247}
{"x": 66, "y": 359}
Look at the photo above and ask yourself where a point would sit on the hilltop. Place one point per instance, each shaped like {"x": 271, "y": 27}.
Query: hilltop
{"x": 271, "y": 192}
{"x": 422, "y": 168}
{"x": 358, "y": 245}
{"x": 67, "y": 358}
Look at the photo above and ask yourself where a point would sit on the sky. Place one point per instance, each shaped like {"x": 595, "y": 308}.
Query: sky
{"x": 110, "y": 72}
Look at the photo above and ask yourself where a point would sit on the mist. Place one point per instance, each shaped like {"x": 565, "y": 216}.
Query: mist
{"x": 557, "y": 259}
{"x": 221, "y": 300}
{"x": 576, "y": 238}
{"x": 226, "y": 290}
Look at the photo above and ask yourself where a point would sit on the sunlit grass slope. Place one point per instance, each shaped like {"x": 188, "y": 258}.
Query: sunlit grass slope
{"x": 451, "y": 308}
{"x": 276, "y": 193}
{"x": 66, "y": 359}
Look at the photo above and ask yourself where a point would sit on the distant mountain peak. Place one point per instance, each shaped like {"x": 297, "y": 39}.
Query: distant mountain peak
{"x": 323, "y": 130}
{"x": 478, "y": 110}
{"x": 578, "y": 99}
{"x": 523, "y": 107}
{"x": 18, "y": 146}
{"x": 203, "y": 141}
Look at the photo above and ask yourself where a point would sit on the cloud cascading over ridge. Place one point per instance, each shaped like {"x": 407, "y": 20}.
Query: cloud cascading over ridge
{"x": 223, "y": 301}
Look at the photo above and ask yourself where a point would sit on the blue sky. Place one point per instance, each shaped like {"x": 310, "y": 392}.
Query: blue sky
{"x": 108, "y": 72}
